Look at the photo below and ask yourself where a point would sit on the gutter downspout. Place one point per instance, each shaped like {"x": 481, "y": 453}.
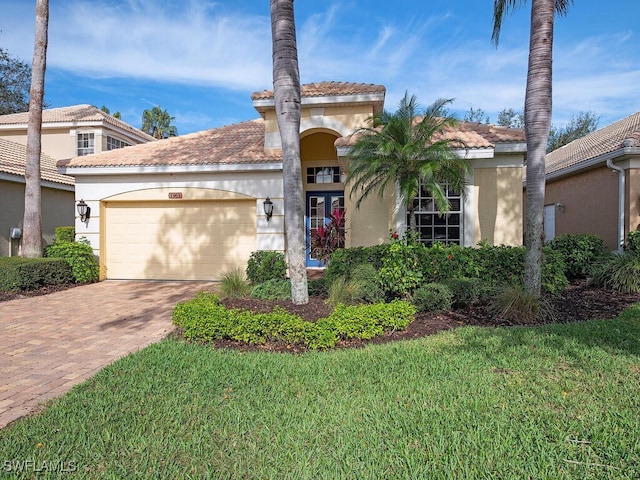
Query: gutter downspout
{"x": 621, "y": 191}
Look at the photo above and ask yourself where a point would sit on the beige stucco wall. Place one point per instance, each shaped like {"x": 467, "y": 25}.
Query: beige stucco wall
{"x": 633, "y": 200}
{"x": 590, "y": 203}
{"x": 497, "y": 205}
{"x": 61, "y": 143}
{"x": 57, "y": 211}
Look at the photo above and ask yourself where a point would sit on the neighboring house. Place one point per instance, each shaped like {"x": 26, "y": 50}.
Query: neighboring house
{"x": 74, "y": 131}
{"x": 57, "y": 193}
{"x": 593, "y": 184}
{"x": 66, "y": 132}
{"x": 191, "y": 207}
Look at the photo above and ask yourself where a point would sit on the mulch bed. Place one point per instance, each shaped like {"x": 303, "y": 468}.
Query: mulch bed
{"x": 579, "y": 302}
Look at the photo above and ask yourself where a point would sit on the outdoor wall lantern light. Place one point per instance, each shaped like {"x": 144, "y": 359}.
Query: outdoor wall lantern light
{"x": 83, "y": 210}
{"x": 560, "y": 206}
{"x": 268, "y": 208}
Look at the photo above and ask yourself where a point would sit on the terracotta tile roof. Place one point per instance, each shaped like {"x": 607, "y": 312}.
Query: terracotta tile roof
{"x": 238, "y": 143}
{"x": 325, "y": 89}
{"x": 471, "y": 134}
{"x": 625, "y": 132}
{"x": 13, "y": 159}
{"x": 74, "y": 114}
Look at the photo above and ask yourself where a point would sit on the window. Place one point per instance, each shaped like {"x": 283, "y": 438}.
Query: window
{"x": 86, "y": 144}
{"x": 436, "y": 227}
{"x": 324, "y": 175}
{"x": 114, "y": 143}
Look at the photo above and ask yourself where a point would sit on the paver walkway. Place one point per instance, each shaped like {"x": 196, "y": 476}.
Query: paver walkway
{"x": 50, "y": 343}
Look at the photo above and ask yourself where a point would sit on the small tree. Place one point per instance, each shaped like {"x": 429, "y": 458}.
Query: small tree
{"x": 408, "y": 149}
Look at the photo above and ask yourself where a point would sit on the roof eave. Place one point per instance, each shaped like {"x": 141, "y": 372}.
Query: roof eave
{"x": 77, "y": 171}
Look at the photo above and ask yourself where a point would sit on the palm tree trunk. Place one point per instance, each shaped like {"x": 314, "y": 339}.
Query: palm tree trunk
{"x": 537, "y": 123}
{"x": 32, "y": 221}
{"x": 286, "y": 89}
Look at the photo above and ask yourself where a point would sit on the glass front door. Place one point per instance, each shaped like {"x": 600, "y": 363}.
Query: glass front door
{"x": 319, "y": 206}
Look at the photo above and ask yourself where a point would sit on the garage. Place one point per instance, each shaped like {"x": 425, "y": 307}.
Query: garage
{"x": 168, "y": 240}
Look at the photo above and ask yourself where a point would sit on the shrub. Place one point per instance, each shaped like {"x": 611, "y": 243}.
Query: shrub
{"x": 345, "y": 260}
{"x": 368, "y": 281}
{"x": 401, "y": 271}
{"x": 17, "y": 273}
{"x": 204, "y": 318}
{"x": 619, "y": 272}
{"x": 516, "y": 305}
{"x": 579, "y": 252}
{"x": 465, "y": 291}
{"x": 234, "y": 284}
{"x": 317, "y": 287}
{"x": 65, "y": 234}
{"x": 326, "y": 239}
{"x": 81, "y": 258}
{"x": 432, "y": 297}
{"x": 266, "y": 265}
{"x": 273, "y": 289}
{"x": 633, "y": 242}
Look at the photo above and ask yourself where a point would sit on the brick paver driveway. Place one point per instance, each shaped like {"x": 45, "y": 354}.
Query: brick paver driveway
{"x": 50, "y": 343}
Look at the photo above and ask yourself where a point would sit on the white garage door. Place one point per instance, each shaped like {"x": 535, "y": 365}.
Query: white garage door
{"x": 195, "y": 240}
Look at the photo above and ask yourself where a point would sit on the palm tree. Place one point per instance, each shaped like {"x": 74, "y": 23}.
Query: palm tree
{"x": 286, "y": 89}
{"x": 32, "y": 221}
{"x": 537, "y": 122}
{"x": 408, "y": 149}
{"x": 157, "y": 123}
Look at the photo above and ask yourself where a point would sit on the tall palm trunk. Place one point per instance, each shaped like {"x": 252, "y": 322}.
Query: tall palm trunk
{"x": 286, "y": 89}
{"x": 32, "y": 221}
{"x": 537, "y": 113}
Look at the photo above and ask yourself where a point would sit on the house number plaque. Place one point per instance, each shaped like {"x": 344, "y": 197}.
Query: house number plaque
{"x": 175, "y": 195}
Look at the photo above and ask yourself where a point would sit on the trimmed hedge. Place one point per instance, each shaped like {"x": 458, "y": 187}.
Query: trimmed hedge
{"x": 18, "y": 273}
{"x": 266, "y": 265}
{"x": 579, "y": 251}
{"x": 204, "y": 318}
{"x": 65, "y": 234}
{"x": 79, "y": 256}
{"x": 404, "y": 266}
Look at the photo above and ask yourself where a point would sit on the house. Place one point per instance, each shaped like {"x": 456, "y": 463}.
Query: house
{"x": 593, "y": 184}
{"x": 66, "y": 132}
{"x": 57, "y": 193}
{"x": 192, "y": 207}
{"x": 74, "y": 131}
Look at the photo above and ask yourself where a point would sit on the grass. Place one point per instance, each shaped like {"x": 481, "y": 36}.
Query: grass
{"x": 557, "y": 401}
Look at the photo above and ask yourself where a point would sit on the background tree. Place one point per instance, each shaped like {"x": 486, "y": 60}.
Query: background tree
{"x": 476, "y": 115}
{"x": 580, "y": 125}
{"x": 537, "y": 122}
{"x": 32, "y": 222}
{"x": 105, "y": 109}
{"x": 511, "y": 118}
{"x": 157, "y": 123}
{"x": 15, "y": 79}
{"x": 286, "y": 89}
{"x": 407, "y": 148}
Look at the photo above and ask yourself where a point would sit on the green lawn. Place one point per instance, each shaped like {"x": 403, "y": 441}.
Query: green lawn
{"x": 560, "y": 401}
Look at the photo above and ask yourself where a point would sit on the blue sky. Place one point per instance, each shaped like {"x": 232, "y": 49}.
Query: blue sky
{"x": 201, "y": 59}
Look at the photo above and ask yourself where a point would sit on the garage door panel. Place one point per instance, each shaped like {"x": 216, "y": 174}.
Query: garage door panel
{"x": 195, "y": 241}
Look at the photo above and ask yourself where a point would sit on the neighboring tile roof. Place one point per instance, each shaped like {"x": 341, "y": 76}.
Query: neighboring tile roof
{"x": 471, "y": 134}
{"x": 325, "y": 89}
{"x": 13, "y": 158}
{"x": 625, "y": 132}
{"x": 238, "y": 143}
{"x": 74, "y": 114}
